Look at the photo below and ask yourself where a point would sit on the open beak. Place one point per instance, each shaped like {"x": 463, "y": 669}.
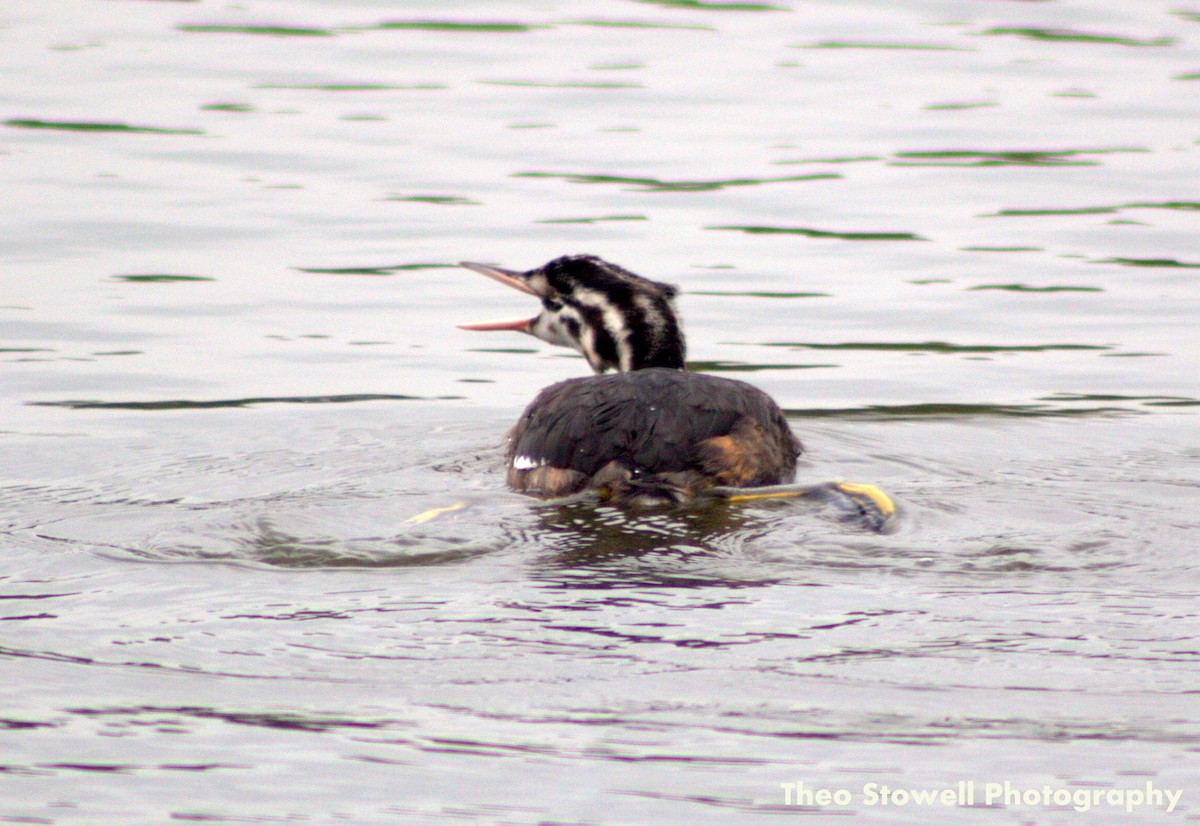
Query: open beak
{"x": 509, "y": 278}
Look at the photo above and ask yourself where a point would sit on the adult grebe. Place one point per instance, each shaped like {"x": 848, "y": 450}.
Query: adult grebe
{"x": 650, "y": 432}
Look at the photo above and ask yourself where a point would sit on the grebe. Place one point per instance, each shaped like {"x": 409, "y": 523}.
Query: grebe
{"x": 650, "y": 432}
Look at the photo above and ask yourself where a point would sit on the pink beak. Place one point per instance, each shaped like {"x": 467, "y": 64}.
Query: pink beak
{"x": 520, "y": 325}
{"x": 510, "y": 279}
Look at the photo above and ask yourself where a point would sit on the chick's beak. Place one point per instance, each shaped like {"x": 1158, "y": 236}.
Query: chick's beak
{"x": 509, "y": 278}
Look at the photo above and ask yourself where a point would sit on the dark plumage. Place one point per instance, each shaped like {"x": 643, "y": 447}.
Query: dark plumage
{"x": 652, "y": 432}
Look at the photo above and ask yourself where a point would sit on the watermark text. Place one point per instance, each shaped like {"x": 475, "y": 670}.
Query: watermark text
{"x": 990, "y": 794}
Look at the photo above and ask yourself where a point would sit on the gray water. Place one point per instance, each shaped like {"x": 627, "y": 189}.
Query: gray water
{"x": 258, "y": 563}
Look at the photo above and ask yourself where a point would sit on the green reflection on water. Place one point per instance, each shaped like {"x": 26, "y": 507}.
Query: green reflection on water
{"x": 272, "y": 31}
{"x": 934, "y": 346}
{"x": 537, "y": 84}
{"x": 951, "y": 410}
{"x": 1034, "y": 157}
{"x": 88, "y": 126}
{"x": 658, "y": 185}
{"x": 387, "y": 270}
{"x": 848, "y": 159}
{"x": 160, "y": 278}
{"x": 759, "y": 294}
{"x": 821, "y": 233}
{"x": 1005, "y": 213}
{"x": 1001, "y": 249}
{"x": 950, "y": 107}
{"x": 636, "y": 24}
{"x": 710, "y": 6}
{"x": 743, "y": 367}
{"x": 1148, "y": 262}
{"x": 441, "y": 200}
{"x": 1154, "y": 401}
{"x": 189, "y": 404}
{"x": 456, "y": 26}
{"x": 1183, "y": 206}
{"x": 354, "y": 87}
{"x": 1025, "y": 288}
{"x": 1070, "y": 36}
{"x": 916, "y": 47}
{"x": 593, "y": 220}
{"x": 228, "y": 107}
{"x": 521, "y": 350}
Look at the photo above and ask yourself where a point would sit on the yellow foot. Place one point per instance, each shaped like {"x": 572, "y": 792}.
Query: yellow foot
{"x": 434, "y": 513}
{"x": 864, "y": 505}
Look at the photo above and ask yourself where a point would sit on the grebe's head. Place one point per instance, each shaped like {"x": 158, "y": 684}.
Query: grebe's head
{"x": 616, "y": 319}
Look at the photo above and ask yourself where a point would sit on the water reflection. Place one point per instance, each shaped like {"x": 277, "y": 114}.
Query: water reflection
{"x": 892, "y": 45}
{"x": 95, "y": 126}
{"x": 588, "y": 532}
{"x": 1071, "y": 36}
{"x": 934, "y": 410}
{"x": 1183, "y": 206}
{"x": 823, "y": 233}
{"x": 390, "y": 269}
{"x": 270, "y": 31}
{"x": 270, "y": 544}
{"x": 660, "y": 185}
{"x": 933, "y": 346}
{"x": 1026, "y": 288}
{"x": 1150, "y": 262}
{"x": 161, "y": 278}
{"x": 713, "y": 5}
{"x": 1020, "y": 157}
{"x": 191, "y": 404}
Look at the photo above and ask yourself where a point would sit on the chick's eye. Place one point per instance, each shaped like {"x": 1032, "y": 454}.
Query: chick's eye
{"x": 552, "y": 302}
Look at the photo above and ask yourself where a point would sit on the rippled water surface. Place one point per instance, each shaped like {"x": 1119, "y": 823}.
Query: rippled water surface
{"x": 258, "y": 562}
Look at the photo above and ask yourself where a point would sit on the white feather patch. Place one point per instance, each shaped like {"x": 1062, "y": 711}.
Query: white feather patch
{"x": 614, "y": 323}
{"x": 525, "y": 463}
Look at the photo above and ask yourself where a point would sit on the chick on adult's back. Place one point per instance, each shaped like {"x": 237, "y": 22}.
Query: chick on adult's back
{"x": 649, "y": 432}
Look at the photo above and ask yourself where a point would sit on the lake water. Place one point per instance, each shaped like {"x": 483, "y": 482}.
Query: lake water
{"x": 258, "y": 560}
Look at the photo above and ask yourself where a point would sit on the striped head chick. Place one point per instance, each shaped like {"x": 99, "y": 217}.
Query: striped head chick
{"x": 616, "y": 319}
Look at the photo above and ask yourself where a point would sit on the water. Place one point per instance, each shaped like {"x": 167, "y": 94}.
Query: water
{"x": 259, "y": 564}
